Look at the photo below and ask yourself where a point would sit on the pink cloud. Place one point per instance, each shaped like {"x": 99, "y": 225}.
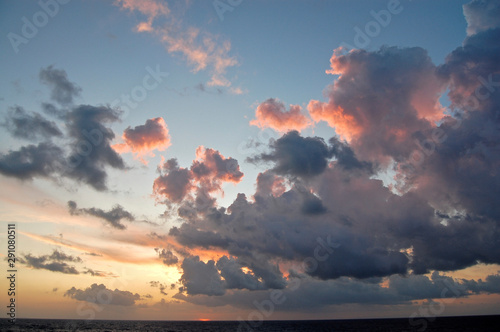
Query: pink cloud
{"x": 143, "y": 139}
{"x": 201, "y": 50}
{"x": 381, "y": 99}
{"x": 273, "y": 114}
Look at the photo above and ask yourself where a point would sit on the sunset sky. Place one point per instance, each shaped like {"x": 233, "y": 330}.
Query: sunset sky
{"x": 248, "y": 160}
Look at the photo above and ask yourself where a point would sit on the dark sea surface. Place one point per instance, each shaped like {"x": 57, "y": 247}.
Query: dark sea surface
{"x": 455, "y": 324}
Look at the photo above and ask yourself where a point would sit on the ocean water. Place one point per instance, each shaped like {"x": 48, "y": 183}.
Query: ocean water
{"x": 444, "y": 324}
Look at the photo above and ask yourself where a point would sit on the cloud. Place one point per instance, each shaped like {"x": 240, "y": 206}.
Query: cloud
{"x": 160, "y": 286}
{"x": 199, "y": 277}
{"x": 96, "y": 273}
{"x": 481, "y": 15}
{"x": 167, "y": 256}
{"x": 112, "y": 217}
{"x": 273, "y": 114}
{"x": 30, "y": 161}
{"x": 143, "y": 139}
{"x": 83, "y": 153}
{"x": 193, "y": 187}
{"x": 235, "y": 277}
{"x": 56, "y": 262}
{"x": 381, "y": 99}
{"x": 308, "y": 294}
{"x": 200, "y": 49}
{"x": 102, "y": 295}
{"x": 322, "y": 211}
{"x": 211, "y": 168}
{"x": 22, "y": 124}
{"x": 62, "y": 90}
{"x": 91, "y": 150}
{"x": 296, "y": 155}
{"x": 174, "y": 183}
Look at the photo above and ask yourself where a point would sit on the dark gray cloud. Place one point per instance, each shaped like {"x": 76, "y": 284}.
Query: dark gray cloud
{"x": 91, "y": 150}
{"x": 113, "y": 217}
{"x": 30, "y": 126}
{"x": 100, "y": 294}
{"x": 83, "y": 153}
{"x": 235, "y": 277}
{"x": 345, "y": 156}
{"x": 199, "y": 277}
{"x": 62, "y": 90}
{"x": 167, "y": 256}
{"x": 295, "y": 155}
{"x": 30, "y": 161}
{"x": 56, "y": 262}
{"x": 191, "y": 236}
{"x": 307, "y": 294}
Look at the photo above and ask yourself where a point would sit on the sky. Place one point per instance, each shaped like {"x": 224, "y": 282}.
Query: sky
{"x": 251, "y": 160}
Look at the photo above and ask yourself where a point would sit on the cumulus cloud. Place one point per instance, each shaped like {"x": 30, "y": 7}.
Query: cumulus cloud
{"x": 322, "y": 211}
{"x": 143, "y": 139}
{"x": 199, "y": 277}
{"x": 174, "y": 182}
{"x": 381, "y": 99}
{"x": 102, "y": 295}
{"x": 481, "y": 15}
{"x": 272, "y": 113}
{"x": 296, "y": 155}
{"x": 112, "y": 217}
{"x": 211, "y": 168}
{"x": 193, "y": 187}
{"x": 22, "y": 124}
{"x": 62, "y": 90}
